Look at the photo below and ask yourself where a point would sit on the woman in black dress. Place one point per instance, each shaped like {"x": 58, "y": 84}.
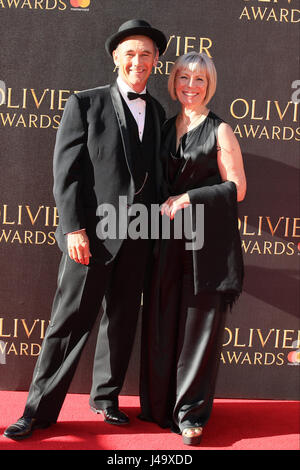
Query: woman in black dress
{"x": 185, "y": 306}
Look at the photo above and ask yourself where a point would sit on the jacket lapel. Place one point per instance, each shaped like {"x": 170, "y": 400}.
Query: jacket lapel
{"x": 158, "y": 163}
{"x": 157, "y": 126}
{"x": 119, "y": 110}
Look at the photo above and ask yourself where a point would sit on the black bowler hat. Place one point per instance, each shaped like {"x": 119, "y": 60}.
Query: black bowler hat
{"x": 136, "y": 27}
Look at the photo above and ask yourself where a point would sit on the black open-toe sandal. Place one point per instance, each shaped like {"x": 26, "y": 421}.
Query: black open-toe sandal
{"x": 192, "y": 436}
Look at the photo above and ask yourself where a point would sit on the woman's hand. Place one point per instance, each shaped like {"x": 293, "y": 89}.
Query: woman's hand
{"x": 175, "y": 203}
{"x": 79, "y": 247}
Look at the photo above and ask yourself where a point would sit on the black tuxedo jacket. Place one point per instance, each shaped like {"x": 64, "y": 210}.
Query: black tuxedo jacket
{"x": 92, "y": 163}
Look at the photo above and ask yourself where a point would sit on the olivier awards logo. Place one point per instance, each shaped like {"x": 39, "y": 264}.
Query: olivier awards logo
{"x": 27, "y": 225}
{"x": 31, "y": 108}
{"x": 270, "y": 11}
{"x": 21, "y": 337}
{"x": 261, "y": 347}
{"x": 47, "y": 5}
{"x": 32, "y": 5}
{"x": 271, "y": 120}
{"x": 270, "y": 236}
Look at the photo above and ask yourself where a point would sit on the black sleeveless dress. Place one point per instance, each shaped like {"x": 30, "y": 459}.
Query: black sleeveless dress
{"x": 182, "y": 331}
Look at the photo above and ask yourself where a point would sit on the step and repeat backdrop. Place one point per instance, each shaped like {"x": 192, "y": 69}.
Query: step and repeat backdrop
{"x": 52, "y": 48}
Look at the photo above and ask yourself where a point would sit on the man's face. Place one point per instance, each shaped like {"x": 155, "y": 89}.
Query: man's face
{"x": 135, "y": 57}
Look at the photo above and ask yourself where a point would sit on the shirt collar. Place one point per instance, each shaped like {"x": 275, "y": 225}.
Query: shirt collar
{"x": 124, "y": 88}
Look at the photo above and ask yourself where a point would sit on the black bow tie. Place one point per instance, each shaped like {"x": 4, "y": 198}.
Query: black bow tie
{"x": 135, "y": 96}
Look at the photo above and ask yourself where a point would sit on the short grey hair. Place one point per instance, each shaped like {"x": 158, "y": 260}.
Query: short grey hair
{"x": 194, "y": 61}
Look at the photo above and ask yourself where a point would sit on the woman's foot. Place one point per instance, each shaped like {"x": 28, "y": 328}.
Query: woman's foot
{"x": 192, "y": 436}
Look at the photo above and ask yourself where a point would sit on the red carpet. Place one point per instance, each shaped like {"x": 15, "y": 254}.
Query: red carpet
{"x": 234, "y": 425}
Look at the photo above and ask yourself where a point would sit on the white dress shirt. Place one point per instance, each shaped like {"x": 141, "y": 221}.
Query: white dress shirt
{"x": 137, "y": 107}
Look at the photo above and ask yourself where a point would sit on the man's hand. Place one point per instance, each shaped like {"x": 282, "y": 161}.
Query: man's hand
{"x": 79, "y": 247}
{"x": 175, "y": 203}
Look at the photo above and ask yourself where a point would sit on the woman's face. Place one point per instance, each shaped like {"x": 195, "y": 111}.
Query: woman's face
{"x": 190, "y": 87}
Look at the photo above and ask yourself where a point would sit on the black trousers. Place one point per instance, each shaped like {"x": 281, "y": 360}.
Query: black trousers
{"x": 77, "y": 303}
{"x": 181, "y": 343}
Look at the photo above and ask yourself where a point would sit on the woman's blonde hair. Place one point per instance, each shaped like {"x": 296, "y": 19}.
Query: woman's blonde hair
{"x": 195, "y": 61}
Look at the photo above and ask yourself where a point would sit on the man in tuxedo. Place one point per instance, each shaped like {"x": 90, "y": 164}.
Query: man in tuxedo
{"x": 107, "y": 146}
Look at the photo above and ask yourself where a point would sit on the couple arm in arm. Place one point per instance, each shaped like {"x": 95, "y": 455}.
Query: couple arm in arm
{"x": 70, "y": 146}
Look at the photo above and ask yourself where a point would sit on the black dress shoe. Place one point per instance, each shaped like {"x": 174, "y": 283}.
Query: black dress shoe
{"x": 113, "y": 415}
{"x": 24, "y": 427}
